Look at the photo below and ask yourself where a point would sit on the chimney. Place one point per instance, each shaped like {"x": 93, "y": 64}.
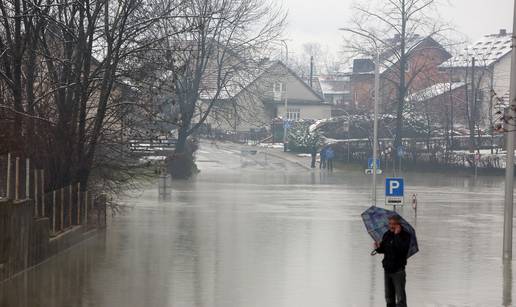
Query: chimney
{"x": 503, "y": 32}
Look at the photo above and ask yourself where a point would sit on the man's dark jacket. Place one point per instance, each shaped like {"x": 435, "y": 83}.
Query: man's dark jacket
{"x": 395, "y": 249}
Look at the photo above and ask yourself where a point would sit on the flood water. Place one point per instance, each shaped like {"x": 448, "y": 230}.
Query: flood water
{"x": 262, "y": 232}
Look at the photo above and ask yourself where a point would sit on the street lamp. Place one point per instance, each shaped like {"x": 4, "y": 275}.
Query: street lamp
{"x": 285, "y": 119}
{"x": 376, "y": 107}
{"x": 509, "y": 167}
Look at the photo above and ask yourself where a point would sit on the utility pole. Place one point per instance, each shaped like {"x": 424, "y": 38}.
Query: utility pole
{"x": 472, "y": 107}
{"x": 311, "y": 71}
{"x": 509, "y": 168}
{"x": 375, "y": 125}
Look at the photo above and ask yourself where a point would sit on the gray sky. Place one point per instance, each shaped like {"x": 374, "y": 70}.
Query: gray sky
{"x": 318, "y": 20}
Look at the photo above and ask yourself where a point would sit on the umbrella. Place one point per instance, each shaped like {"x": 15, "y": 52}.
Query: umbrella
{"x": 376, "y": 221}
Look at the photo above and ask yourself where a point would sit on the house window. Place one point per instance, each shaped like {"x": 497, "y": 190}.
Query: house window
{"x": 278, "y": 89}
{"x": 293, "y": 114}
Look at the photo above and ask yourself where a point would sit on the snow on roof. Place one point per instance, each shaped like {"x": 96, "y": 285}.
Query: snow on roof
{"x": 334, "y": 87}
{"x": 486, "y": 51}
{"x": 390, "y": 58}
{"x": 435, "y": 90}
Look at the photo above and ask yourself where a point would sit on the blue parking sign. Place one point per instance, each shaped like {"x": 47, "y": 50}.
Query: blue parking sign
{"x": 370, "y": 163}
{"x": 394, "y": 187}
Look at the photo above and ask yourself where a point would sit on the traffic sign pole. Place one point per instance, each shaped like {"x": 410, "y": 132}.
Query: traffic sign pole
{"x": 375, "y": 125}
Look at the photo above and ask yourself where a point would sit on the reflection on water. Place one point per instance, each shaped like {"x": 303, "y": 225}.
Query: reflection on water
{"x": 61, "y": 281}
{"x": 265, "y": 239}
{"x": 507, "y": 283}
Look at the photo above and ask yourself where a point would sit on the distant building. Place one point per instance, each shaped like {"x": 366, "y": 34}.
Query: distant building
{"x": 424, "y": 57}
{"x": 488, "y": 63}
{"x": 336, "y": 90}
{"x": 261, "y": 98}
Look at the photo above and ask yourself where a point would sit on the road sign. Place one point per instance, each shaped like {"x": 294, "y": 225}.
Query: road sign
{"x": 394, "y": 191}
{"x": 401, "y": 152}
{"x": 370, "y": 171}
{"x": 370, "y": 163}
{"x": 287, "y": 124}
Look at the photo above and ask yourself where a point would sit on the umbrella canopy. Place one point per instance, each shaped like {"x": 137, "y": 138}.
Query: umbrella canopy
{"x": 376, "y": 221}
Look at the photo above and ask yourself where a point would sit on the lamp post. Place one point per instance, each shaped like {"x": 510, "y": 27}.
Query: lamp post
{"x": 509, "y": 167}
{"x": 285, "y": 119}
{"x": 376, "y": 107}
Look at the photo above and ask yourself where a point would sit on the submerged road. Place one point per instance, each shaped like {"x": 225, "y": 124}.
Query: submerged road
{"x": 259, "y": 231}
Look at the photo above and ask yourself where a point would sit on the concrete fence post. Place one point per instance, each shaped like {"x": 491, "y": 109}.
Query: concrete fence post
{"x": 17, "y": 179}
{"x": 61, "y": 226}
{"x": 86, "y": 208}
{"x": 70, "y": 205}
{"x": 36, "y": 213}
{"x": 8, "y": 183}
{"x": 42, "y": 182}
{"x": 78, "y": 203}
{"x": 54, "y": 213}
{"x": 27, "y": 178}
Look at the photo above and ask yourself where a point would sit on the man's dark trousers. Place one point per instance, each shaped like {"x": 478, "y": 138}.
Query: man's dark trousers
{"x": 395, "y": 289}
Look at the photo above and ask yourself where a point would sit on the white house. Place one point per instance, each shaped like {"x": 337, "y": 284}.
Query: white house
{"x": 489, "y": 61}
{"x": 263, "y": 97}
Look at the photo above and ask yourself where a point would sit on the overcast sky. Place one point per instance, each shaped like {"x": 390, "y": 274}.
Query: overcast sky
{"x": 319, "y": 20}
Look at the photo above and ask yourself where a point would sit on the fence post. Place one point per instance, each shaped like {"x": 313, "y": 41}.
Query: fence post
{"x": 17, "y": 179}
{"x": 42, "y": 181}
{"x": 78, "y": 203}
{"x": 62, "y": 209}
{"x": 27, "y": 178}
{"x": 70, "y": 201}
{"x": 36, "y": 193}
{"x": 54, "y": 214}
{"x": 86, "y": 208}
{"x": 8, "y": 190}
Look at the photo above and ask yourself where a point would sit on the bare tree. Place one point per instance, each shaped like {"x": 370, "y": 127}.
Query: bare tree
{"x": 219, "y": 53}
{"x": 63, "y": 67}
{"x": 392, "y": 28}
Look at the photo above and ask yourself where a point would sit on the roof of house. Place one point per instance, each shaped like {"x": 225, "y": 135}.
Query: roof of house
{"x": 334, "y": 87}
{"x": 390, "y": 57}
{"x": 316, "y": 86}
{"x": 434, "y": 91}
{"x": 486, "y": 51}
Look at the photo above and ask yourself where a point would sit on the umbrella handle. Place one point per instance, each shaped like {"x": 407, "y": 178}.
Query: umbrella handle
{"x": 374, "y": 252}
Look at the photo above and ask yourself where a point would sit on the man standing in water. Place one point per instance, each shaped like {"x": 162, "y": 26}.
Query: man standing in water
{"x": 394, "y": 246}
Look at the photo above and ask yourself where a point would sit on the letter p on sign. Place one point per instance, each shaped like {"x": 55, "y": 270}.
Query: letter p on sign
{"x": 394, "y": 187}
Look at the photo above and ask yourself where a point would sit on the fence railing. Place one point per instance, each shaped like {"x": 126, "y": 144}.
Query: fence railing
{"x": 65, "y": 207}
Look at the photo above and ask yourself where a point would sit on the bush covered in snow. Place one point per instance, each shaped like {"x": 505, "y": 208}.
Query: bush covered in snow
{"x": 300, "y": 139}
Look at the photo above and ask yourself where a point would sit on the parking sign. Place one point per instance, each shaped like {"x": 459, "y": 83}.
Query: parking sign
{"x": 394, "y": 191}
{"x": 370, "y": 163}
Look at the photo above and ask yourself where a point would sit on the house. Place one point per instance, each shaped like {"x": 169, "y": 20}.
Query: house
{"x": 336, "y": 90}
{"x": 440, "y": 105}
{"x": 485, "y": 67}
{"x": 422, "y": 70}
{"x": 262, "y": 96}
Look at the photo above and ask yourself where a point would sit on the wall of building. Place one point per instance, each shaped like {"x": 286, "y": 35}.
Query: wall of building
{"x": 502, "y": 76}
{"x": 313, "y": 112}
